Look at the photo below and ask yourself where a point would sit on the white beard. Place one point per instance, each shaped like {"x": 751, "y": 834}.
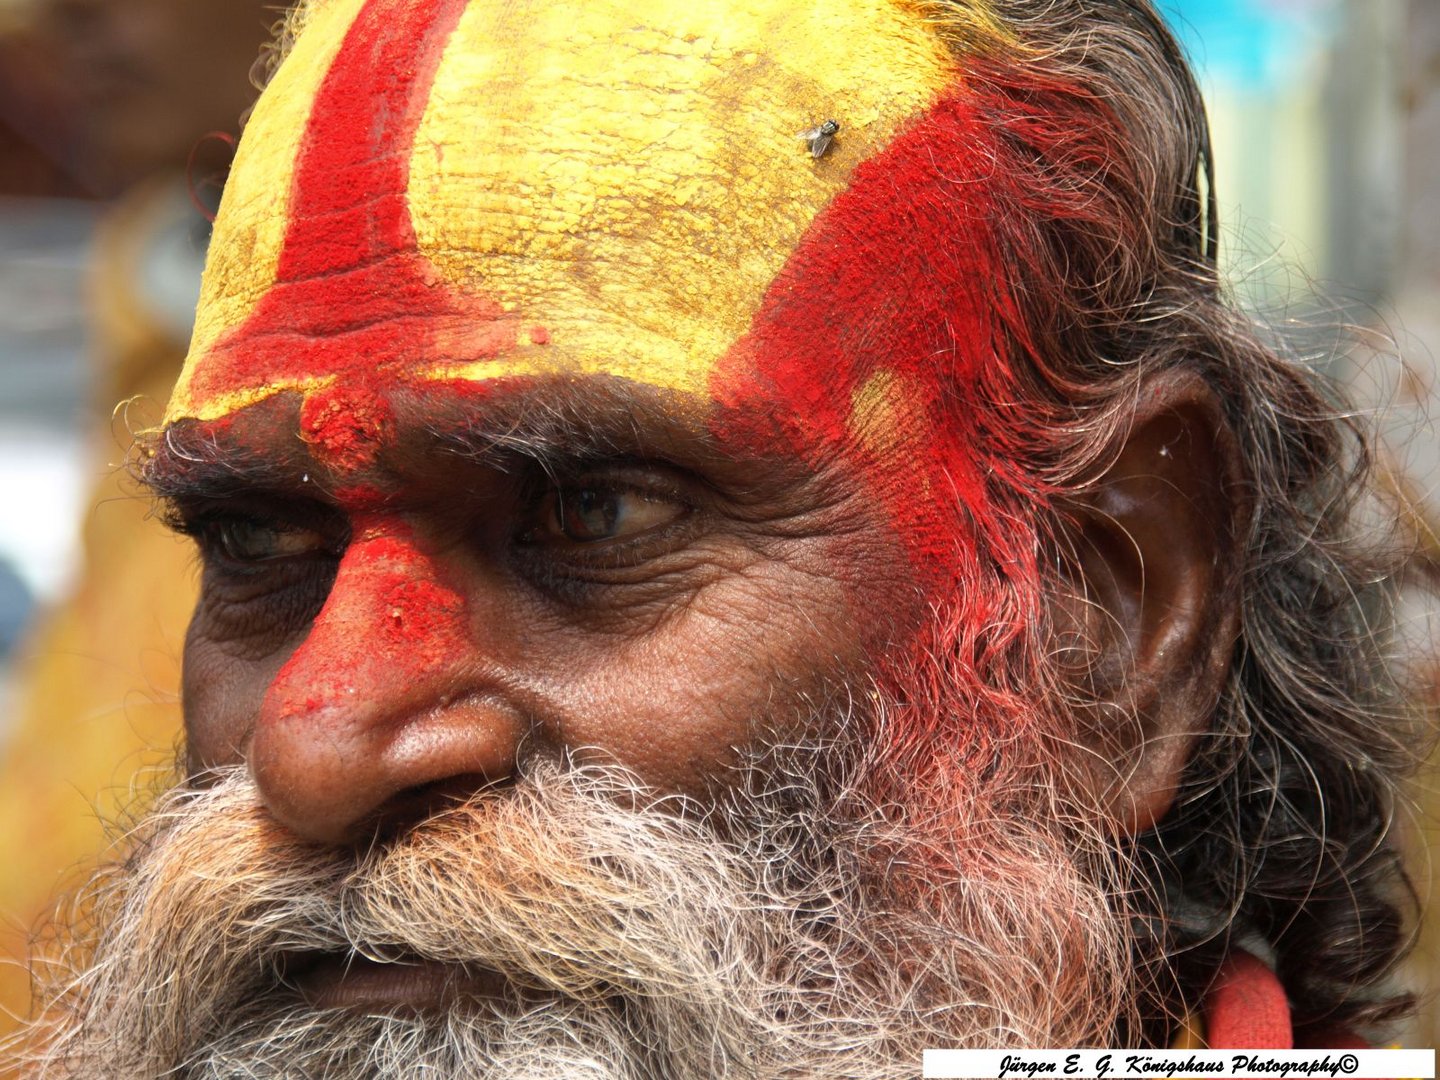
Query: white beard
{"x": 816, "y": 938}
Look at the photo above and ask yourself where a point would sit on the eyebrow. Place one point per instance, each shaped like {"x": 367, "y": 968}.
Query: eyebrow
{"x": 553, "y": 429}
{"x": 186, "y": 461}
{"x": 551, "y": 426}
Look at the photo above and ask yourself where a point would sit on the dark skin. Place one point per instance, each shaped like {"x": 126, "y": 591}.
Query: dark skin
{"x": 1159, "y": 539}
{"x": 627, "y": 589}
{"x": 579, "y": 569}
{"x": 612, "y": 584}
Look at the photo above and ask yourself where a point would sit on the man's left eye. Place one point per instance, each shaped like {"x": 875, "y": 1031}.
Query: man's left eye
{"x": 594, "y": 515}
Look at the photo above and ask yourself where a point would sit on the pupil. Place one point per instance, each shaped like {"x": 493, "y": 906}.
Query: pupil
{"x": 596, "y": 514}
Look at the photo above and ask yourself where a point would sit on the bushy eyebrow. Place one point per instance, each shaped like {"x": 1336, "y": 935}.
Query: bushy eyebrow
{"x": 195, "y": 460}
{"x": 560, "y": 426}
{"x": 550, "y": 443}
{"x": 185, "y": 461}
{"x": 551, "y": 427}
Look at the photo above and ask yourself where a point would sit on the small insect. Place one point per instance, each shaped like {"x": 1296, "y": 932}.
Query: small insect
{"x": 819, "y": 137}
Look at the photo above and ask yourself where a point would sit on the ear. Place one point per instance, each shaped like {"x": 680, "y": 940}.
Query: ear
{"x": 1156, "y": 541}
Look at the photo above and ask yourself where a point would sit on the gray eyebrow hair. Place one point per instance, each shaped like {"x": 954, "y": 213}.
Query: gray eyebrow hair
{"x": 553, "y": 426}
{"x": 558, "y": 425}
{"x": 187, "y": 461}
{"x": 548, "y": 441}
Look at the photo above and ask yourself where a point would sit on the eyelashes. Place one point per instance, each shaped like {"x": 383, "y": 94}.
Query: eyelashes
{"x": 591, "y": 514}
{"x": 605, "y": 524}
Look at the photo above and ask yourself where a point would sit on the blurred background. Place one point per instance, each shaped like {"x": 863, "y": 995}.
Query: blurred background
{"x": 114, "y": 118}
{"x": 117, "y": 119}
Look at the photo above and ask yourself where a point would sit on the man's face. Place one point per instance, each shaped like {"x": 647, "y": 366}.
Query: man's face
{"x": 551, "y": 568}
{"x": 563, "y": 438}
{"x": 560, "y": 404}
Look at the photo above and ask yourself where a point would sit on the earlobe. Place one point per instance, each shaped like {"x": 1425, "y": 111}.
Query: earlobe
{"x": 1156, "y": 561}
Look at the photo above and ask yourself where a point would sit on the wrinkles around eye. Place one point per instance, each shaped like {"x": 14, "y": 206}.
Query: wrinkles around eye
{"x": 620, "y": 526}
{"x": 246, "y": 540}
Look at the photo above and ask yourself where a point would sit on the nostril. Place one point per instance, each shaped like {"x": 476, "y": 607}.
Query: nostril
{"x": 415, "y": 805}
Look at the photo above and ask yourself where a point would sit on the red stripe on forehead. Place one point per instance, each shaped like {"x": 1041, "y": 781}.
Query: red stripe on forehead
{"x": 899, "y": 285}
{"x": 348, "y": 206}
{"x": 353, "y": 295}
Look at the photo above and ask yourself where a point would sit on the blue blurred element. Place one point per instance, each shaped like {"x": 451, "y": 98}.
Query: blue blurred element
{"x": 1249, "y": 44}
{"x": 15, "y": 607}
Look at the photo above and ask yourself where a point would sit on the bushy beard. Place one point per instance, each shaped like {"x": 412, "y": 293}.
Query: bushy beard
{"x": 795, "y": 928}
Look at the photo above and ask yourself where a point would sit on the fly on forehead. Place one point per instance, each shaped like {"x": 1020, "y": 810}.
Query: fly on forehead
{"x": 819, "y": 137}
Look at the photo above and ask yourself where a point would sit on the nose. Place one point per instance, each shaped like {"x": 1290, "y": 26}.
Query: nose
{"x": 386, "y": 702}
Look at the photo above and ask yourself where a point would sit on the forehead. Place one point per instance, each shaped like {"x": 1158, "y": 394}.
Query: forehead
{"x": 435, "y": 190}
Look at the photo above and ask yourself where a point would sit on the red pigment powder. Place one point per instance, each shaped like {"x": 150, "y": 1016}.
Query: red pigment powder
{"x": 936, "y": 269}
{"x": 353, "y": 295}
{"x": 911, "y": 277}
{"x": 399, "y": 610}
{"x": 417, "y": 612}
{"x": 346, "y": 424}
{"x": 389, "y": 619}
{"x": 928, "y": 320}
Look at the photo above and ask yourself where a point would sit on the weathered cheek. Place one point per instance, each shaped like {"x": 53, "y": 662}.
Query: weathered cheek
{"x": 760, "y": 653}
{"x": 221, "y": 691}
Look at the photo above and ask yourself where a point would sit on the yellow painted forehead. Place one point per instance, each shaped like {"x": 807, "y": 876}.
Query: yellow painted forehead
{"x": 592, "y": 188}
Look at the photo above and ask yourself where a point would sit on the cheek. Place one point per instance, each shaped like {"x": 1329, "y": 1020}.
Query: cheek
{"x": 750, "y": 657}
{"x": 221, "y": 695}
{"x": 232, "y": 655}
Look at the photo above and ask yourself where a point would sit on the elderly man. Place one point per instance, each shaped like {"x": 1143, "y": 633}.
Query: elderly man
{"x": 741, "y": 539}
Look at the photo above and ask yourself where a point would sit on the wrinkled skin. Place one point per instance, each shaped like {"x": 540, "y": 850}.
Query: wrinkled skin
{"x": 476, "y": 486}
{"x": 368, "y": 636}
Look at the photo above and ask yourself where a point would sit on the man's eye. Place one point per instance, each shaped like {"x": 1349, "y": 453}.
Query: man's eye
{"x": 247, "y": 541}
{"x": 593, "y": 515}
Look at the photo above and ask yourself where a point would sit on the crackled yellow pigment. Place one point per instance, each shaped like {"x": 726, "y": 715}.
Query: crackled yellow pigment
{"x": 632, "y": 174}
{"x": 245, "y": 250}
{"x": 629, "y": 176}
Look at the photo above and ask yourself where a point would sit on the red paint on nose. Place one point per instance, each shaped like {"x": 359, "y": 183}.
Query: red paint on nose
{"x": 380, "y": 698}
{"x": 353, "y": 295}
{"x": 423, "y": 622}
{"x": 388, "y": 621}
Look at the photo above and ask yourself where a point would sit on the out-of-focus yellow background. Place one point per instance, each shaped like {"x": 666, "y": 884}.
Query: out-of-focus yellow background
{"x": 1326, "y": 120}
{"x": 106, "y": 166}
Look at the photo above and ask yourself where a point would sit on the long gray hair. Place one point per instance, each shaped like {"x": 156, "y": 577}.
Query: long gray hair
{"x": 1281, "y": 831}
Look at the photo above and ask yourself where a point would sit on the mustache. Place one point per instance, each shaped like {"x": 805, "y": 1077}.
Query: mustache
{"x": 548, "y": 880}
{"x": 797, "y": 920}
{"x": 574, "y": 882}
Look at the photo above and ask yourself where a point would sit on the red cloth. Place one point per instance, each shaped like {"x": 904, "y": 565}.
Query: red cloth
{"x": 1247, "y": 1010}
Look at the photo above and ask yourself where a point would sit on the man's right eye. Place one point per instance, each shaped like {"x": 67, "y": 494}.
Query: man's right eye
{"x": 246, "y": 540}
